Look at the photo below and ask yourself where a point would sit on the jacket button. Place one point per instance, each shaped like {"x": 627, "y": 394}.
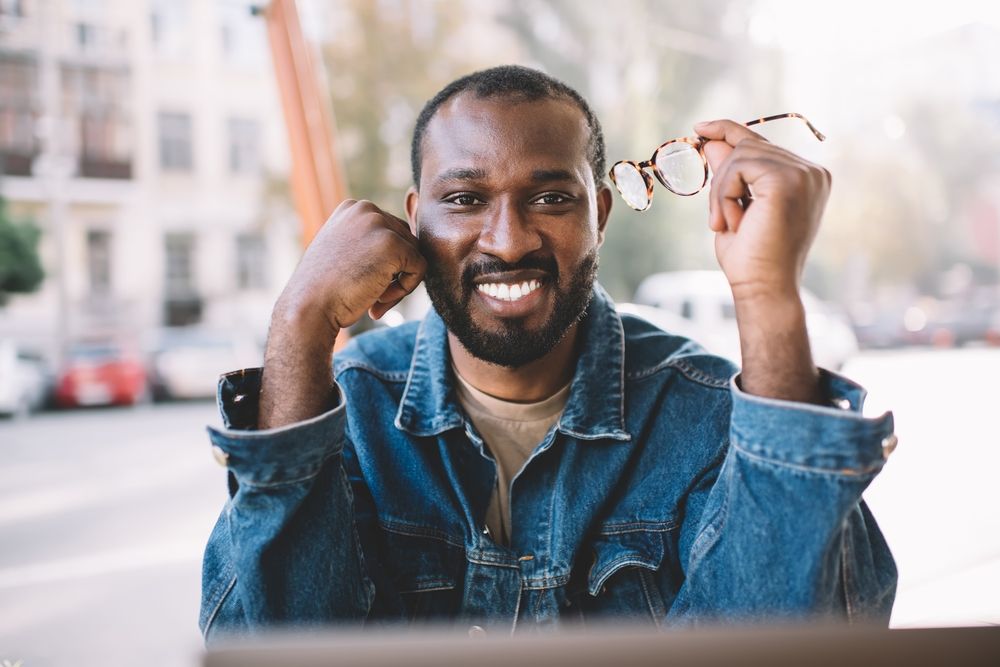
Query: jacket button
{"x": 889, "y": 445}
{"x": 477, "y": 631}
{"x": 221, "y": 457}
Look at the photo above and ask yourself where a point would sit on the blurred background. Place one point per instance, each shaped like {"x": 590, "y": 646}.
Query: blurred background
{"x": 150, "y": 215}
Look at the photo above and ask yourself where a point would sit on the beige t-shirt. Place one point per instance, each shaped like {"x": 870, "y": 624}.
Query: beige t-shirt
{"x": 511, "y": 432}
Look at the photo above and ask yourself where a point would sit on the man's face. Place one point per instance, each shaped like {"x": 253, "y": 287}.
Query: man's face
{"x": 509, "y": 219}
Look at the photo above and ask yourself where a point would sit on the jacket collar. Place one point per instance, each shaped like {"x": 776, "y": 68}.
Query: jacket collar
{"x": 596, "y": 405}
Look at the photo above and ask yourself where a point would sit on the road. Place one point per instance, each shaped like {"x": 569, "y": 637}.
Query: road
{"x": 103, "y": 517}
{"x": 104, "y": 514}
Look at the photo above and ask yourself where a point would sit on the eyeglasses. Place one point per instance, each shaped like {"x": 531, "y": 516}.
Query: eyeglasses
{"x": 679, "y": 164}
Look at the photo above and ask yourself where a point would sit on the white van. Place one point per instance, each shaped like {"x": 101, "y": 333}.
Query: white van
{"x": 704, "y": 299}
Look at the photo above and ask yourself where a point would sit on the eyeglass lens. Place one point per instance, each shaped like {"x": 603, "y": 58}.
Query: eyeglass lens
{"x": 631, "y": 185}
{"x": 681, "y": 167}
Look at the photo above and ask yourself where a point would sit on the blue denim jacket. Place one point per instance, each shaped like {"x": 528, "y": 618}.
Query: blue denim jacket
{"x": 664, "y": 493}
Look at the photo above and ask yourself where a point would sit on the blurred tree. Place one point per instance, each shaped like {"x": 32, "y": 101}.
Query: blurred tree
{"x": 381, "y": 67}
{"x": 20, "y": 268}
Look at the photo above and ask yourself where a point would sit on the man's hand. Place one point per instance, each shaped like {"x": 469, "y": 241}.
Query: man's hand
{"x": 765, "y": 207}
{"x": 362, "y": 259}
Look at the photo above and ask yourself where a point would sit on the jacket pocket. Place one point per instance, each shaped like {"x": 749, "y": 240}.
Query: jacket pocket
{"x": 425, "y": 572}
{"x": 621, "y": 579}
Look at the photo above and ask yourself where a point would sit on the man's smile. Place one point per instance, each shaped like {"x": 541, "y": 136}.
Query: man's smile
{"x": 510, "y": 298}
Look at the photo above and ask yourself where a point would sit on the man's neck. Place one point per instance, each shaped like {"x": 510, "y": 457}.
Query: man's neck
{"x": 535, "y": 381}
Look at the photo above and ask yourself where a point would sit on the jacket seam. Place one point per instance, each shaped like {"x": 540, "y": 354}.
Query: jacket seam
{"x": 297, "y": 480}
{"x": 845, "y": 577}
{"x": 218, "y": 607}
{"x": 686, "y": 369}
{"x": 387, "y": 376}
{"x": 409, "y": 530}
{"x": 637, "y": 527}
{"x": 614, "y": 566}
{"x": 814, "y": 470}
{"x": 654, "y": 610}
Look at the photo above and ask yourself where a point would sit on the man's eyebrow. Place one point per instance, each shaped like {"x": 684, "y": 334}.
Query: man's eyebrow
{"x": 548, "y": 175}
{"x": 462, "y": 174}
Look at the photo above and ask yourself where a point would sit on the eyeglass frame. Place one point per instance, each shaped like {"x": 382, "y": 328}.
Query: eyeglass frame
{"x": 698, "y": 143}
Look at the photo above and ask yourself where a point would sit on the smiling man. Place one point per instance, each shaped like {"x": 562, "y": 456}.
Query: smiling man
{"x": 524, "y": 456}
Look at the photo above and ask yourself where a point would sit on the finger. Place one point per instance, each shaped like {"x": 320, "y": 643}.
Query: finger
{"x": 380, "y": 217}
{"x": 716, "y": 153}
{"x": 378, "y": 310}
{"x": 399, "y": 226}
{"x": 411, "y": 269}
{"x": 728, "y": 131}
{"x": 731, "y": 186}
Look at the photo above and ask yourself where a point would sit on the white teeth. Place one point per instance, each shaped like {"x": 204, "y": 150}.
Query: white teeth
{"x": 512, "y": 292}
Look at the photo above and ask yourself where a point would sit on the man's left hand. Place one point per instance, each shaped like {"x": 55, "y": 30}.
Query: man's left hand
{"x": 761, "y": 246}
{"x": 765, "y": 208}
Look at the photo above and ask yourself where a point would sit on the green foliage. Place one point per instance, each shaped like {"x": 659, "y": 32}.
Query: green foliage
{"x": 20, "y": 268}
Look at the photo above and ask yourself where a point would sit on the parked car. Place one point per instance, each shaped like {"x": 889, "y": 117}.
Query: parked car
{"x": 23, "y": 380}
{"x": 704, "y": 299}
{"x": 187, "y": 363}
{"x": 101, "y": 373}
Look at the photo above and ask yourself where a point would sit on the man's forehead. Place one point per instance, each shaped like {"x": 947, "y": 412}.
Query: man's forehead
{"x": 469, "y": 132}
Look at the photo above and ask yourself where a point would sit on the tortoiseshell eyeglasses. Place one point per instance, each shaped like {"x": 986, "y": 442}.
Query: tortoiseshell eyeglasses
{"x": 679, "y": 164}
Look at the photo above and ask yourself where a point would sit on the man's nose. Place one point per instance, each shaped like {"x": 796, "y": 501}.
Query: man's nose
{"x": 508, "y": 234}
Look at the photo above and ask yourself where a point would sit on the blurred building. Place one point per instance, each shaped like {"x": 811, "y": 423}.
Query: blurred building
{"x": 145, "y": 138}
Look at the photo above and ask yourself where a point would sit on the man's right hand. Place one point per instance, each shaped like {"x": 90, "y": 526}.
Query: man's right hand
{"x": 362, "y": 259}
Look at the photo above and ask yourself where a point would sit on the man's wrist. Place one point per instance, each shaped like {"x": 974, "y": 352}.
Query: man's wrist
{"x": 297, "y": 376}
{"x": 774, "y": 344}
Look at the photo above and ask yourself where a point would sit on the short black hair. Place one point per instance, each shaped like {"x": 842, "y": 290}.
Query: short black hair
{"x": 518, "y": 84}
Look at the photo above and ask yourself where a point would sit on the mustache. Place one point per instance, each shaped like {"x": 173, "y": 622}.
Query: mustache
{"x": 495, "y": 265}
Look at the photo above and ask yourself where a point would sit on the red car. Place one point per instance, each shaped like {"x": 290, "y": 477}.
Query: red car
{"x": 101, "y": 374}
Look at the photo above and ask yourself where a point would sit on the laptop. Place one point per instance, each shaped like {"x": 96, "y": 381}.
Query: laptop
{"x": 617, "y": 646}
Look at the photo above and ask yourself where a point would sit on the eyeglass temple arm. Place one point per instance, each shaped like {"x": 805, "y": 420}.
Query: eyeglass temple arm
{"x": 757, "y": 121}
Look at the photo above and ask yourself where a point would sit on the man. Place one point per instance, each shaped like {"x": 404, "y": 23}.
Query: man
{"x": 524, "y": 456}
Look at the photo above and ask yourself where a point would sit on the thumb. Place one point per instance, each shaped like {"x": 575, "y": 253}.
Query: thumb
{"x": 716, "y": 153}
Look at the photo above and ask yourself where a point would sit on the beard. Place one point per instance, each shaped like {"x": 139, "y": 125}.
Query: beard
{"x": 512, "y": 344}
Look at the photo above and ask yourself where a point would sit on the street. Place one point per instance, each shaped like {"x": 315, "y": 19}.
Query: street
{"x": 104, "y": 514}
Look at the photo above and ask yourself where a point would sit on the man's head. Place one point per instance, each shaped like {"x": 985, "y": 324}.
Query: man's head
{"x": 509, "y": 208}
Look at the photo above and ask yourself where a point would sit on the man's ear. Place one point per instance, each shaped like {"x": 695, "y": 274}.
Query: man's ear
{"x": 604, "y": 201}
{"x": 412, "y": 201}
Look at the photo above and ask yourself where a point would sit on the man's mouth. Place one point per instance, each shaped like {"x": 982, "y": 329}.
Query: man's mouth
{"x": 509, "y": 291}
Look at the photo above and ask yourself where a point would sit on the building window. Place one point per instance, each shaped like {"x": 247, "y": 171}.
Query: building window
{"x": 182, "y": 305}
{"x": 241, "y": 34}
{"x": 99, "y": 261}
{"x": 170, "y": 27}
{"x": 243, "y": 145}
{"x": 175, "y": 141}
{"x": 12, "y": 8}
{"x": 251, "y": 271}
{"x": 180, "y": 264}
{"x": 95, "y": 100}
{"x": 18, "y": 115}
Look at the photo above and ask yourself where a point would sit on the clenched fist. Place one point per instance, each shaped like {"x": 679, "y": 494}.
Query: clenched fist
{"x": 362, "y": 259}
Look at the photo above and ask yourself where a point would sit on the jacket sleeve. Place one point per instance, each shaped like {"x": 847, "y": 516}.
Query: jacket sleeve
{"x": 285, "y": 549}
{"x": 779, "y": 530}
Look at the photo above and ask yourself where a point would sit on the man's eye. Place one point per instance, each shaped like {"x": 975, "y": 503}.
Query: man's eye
{"x": 463, "y": 200}
{"x": 552, "y": 199}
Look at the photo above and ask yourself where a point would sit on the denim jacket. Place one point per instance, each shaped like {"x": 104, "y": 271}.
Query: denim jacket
{"x": 664, "y": 494}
